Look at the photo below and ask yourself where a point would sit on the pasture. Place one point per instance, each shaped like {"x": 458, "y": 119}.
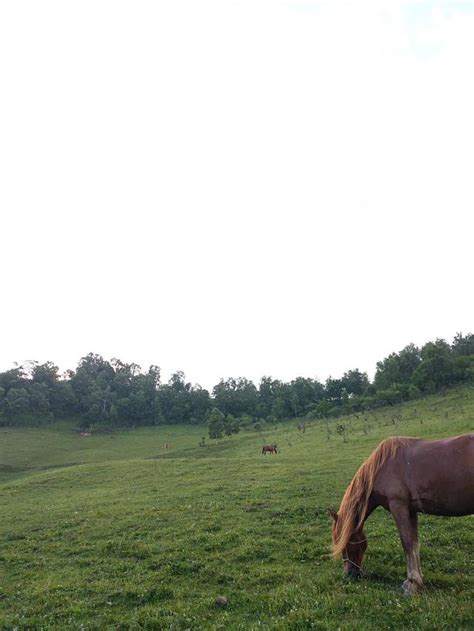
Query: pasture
{"x": 120, "y": 532}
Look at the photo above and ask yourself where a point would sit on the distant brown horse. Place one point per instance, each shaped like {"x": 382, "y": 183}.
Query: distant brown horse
{"x": 406, "y": 476}
{"x": 269, "y": 449}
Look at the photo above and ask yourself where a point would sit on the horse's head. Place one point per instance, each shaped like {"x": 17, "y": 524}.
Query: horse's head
{"x": 353, "y": 553}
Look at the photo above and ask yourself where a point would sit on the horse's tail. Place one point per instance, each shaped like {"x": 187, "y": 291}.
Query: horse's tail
{"x": 353, "y": 509}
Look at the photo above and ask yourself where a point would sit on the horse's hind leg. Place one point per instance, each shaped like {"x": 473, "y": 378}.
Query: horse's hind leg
{"x": 407, "y": 524}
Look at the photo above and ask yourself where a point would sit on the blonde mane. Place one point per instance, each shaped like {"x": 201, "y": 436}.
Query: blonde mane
{"x": 351, "y": 514}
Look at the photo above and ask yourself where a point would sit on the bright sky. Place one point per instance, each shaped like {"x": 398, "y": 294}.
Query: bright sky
{"x": 235, "y": 188}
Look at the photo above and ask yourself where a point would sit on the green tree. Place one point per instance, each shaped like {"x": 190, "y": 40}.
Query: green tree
{"x": 62, "y": 399}
{"x": 17, "y": 403}
{"x": 13, "y": 378}
{"x": 397, "y": 368}
{"x": 92, "y": 386}
{"x": 231, "y": 425}
{"x": 47, "y": 374}
{"x": 322, "y": 409}
{"x": 389, "y": 396}
{"x": 269, "y": 390}
{"x": 436, "y": 369}
{"x": 409, "y": 359}
{"x": 236, "y": 396}
{"x": 39, "y": 400}
{"x": 463, "y": 345}
{"x": 175, "y": 399}
{"x": 2, "y": 400}
{"x": 387, "y": 373}
{"x": 215, "y": 423}
{"x": 200, "y": 402}
{"x": 355, "y": 382}
{"x": 280, "y": 408}
{"x": 304, "y": 393}
{"x": 334, "y": 389}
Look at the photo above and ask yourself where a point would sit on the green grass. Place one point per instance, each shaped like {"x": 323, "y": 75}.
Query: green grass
{"x": 119, "y": 533}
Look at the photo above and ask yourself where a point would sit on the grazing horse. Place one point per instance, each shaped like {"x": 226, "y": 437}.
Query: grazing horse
{"x": 406, "y": 476}
{"x": 271, "y": 449}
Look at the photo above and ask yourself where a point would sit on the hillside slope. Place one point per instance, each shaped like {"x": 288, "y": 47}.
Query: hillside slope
{"x": 120, "y": 532}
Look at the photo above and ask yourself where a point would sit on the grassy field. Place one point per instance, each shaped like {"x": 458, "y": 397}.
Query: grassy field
{"x": 117, "y": 532}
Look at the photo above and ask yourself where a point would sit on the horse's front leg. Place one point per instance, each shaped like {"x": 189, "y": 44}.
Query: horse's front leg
{"x": 407, "y": 524}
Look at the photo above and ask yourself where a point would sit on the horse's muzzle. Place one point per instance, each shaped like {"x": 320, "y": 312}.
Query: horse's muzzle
{"x": 354, "y": 573}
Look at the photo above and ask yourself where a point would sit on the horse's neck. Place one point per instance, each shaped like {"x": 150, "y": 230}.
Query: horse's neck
{"x": 371, "y": 506}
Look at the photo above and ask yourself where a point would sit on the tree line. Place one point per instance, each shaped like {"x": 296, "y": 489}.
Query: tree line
{"x": 113, "y": 393}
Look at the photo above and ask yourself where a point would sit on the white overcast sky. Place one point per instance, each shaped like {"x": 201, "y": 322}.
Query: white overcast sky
{"x": 235, "y": 188}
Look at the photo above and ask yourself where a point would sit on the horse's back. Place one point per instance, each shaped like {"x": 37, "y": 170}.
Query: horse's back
{"x": 435, "y": 476}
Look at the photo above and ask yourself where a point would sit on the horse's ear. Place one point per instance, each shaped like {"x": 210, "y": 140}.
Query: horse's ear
{"x": 333, "y": 514}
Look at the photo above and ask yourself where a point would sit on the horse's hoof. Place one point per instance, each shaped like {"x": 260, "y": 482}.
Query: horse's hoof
{"x": 410, "y": 588}
{"x": 406, "y": 593}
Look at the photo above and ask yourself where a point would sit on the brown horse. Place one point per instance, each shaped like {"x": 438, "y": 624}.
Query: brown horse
{"x": 271, "y": 449}
{"x": 406, "y": 476}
